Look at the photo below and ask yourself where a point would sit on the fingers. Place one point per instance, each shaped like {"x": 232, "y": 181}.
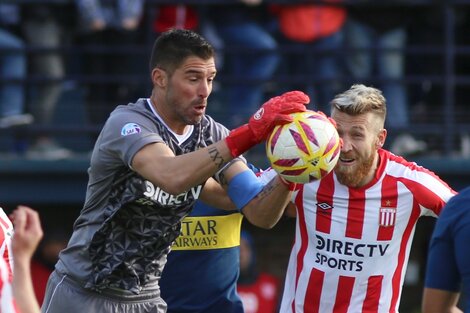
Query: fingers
{"x": 26, "y": 221}
{"x": 18, "y": 218}
{"x": 296, "y": 96}
{"x": 281, "y": 119}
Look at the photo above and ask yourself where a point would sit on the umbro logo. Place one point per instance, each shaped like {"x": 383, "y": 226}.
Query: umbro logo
{"x": 324, "y": 206}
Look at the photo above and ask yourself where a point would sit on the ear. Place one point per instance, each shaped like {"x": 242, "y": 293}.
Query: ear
{"x": 382, "y": 135}
{"x": 159, "y": 77}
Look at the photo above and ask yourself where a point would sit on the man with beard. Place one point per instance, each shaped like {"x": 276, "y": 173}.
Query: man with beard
{"x": 355, "y": 227}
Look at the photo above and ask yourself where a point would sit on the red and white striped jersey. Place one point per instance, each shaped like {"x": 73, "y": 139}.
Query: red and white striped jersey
{"x": 352, "y": 244}
{"x": 7, "y": 302}
{"x": 6, "y": 232}
{"x": 6, "y": 265}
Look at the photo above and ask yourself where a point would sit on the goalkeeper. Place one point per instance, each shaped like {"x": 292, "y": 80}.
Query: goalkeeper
{"x": 152, "y": 160}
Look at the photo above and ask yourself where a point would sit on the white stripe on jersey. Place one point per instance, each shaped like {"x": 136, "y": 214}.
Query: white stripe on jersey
{"x": 344, "y": 259}
{"x": 6, "y": 232}
{"x": 6, "y": 293}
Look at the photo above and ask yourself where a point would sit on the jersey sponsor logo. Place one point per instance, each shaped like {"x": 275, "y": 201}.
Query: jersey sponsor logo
{"x": 387, "y": 217}
{"x": 209, "y": 232}
{"x": 324, "y": 208}
{"x": 346, "y": 255}
{"x": 157, "y": 194}
{"x": 130, "y": 129}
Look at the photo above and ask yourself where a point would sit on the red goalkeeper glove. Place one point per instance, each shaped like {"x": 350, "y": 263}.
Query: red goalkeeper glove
{"x": 275, "y": 111}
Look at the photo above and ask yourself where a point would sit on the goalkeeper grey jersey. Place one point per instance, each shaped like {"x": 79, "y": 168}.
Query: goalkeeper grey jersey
{"x": 127, "y": 224}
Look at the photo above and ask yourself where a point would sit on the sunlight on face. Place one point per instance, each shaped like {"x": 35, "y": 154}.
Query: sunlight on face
{"x": 357, "y": 161}
{"x": 188, "y": 89}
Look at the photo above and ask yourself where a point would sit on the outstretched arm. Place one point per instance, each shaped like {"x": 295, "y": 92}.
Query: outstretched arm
{"x": 177, "y": 174}
{"x": 262, "y": 201}
{"x": 28, "y": 233}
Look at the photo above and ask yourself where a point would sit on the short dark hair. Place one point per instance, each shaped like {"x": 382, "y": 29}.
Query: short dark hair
{"x": 172, "y": 47}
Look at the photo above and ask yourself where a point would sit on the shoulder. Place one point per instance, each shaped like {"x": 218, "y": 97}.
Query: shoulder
{"x": 400, "y": 167}
{"x": 458, "y": 205}
{"x": 133, "y": 117}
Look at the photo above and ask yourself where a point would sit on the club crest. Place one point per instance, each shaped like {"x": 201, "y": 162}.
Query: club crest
{"x": 387, "y": 217}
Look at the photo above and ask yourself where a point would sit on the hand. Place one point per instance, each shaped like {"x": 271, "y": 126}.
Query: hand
{"x": 275, "y": 111}
{"x": 27, "y": 232}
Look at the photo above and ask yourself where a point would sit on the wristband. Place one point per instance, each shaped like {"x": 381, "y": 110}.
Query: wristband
{"x": 243, "y": 187}
{"x": 240, "y": 140}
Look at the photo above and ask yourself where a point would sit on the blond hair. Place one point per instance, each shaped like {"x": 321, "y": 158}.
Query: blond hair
{"x": 360, "y": 99}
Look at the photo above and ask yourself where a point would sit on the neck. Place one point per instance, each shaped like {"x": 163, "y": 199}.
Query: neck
{"x": 373, "y": 170}
{"x": 165, "y": 115}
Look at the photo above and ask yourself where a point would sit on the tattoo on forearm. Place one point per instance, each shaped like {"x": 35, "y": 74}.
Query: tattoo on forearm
{"x": 267, "y": 189}
{"x": 216, "y": 157}
{"x": 222, "y": 179}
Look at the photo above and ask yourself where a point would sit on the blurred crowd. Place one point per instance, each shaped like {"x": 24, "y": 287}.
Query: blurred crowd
{"x": 53, "y": 53}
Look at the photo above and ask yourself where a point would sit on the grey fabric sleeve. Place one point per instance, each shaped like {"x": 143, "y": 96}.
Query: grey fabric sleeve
{"x": 127, "y": 132}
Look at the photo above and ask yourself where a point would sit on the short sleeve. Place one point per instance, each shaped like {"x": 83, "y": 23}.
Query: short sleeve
{"x": 126, "y": 132}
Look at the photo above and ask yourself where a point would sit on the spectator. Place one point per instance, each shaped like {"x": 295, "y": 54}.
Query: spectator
{"x": 377, "y": 37}
{"x": 105, "y": 28}
{"x": 259, "y": 291}
{"x": 448, "y": 265}
{"x": 178, "y": 16}
{"x": 12, "y": 67}
{"x": 314, "y": 36}
{"x": 250, "y": 55}
{"x": 43, "y": 28}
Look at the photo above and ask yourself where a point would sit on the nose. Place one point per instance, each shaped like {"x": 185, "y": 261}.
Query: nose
{"x": 346, "y": 146}
{"x": 205, "y": 89}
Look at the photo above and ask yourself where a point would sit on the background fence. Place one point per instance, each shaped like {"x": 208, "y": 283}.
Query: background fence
{"x": 437, "y": 77}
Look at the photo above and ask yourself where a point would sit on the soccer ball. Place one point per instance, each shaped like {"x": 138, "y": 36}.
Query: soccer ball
{"x": 304, "y": 150}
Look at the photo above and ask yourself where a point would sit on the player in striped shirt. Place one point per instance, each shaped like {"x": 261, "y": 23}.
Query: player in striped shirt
{"x": 17, "y": 293}
{"x": 355, "y": 227}
{"x": 6, "y": 231}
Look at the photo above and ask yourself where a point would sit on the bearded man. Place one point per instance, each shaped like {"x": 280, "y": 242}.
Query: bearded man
{"x": 354, "y": 227}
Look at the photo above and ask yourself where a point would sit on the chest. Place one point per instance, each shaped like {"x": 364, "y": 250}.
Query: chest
{"x": 376, "y": 213}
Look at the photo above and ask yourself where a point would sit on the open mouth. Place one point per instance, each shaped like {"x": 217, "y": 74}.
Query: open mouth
{"x": 346, "y": 160}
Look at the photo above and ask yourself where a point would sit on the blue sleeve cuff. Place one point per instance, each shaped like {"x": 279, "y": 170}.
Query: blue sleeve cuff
{"x": 243, "y": 188}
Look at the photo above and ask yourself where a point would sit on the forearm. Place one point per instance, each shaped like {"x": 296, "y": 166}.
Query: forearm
{"x": 177, "y": 174}
{"x": 23, "y": 291}
{"x": 267, "y": 208}
{"x": 440, "y": 301}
